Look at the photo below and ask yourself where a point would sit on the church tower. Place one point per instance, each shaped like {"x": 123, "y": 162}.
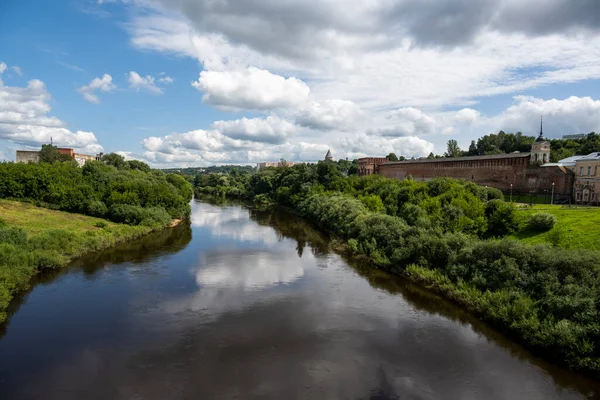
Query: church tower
{"x": 328, "y": 156}
{"x": 540, "y": 149}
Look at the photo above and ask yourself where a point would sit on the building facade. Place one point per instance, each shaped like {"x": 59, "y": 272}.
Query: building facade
{"x": 26, "y": 156}
{"x": 521, "y": 173}
{"x": 586, "y": 189}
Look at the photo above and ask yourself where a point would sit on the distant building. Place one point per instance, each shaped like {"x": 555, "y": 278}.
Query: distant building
{"x": 518, "y": 172}
{"x": 262, "y": 165}
{"x": 574, "y": 136}
{"x": 26, "y": 156}
{"x": 586, "y": 188}
{"x": 328, "y": 156}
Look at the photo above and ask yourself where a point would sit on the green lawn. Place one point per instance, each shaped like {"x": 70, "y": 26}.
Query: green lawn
{"x": 35, "y": 220}
{"x": 34, "y": 238}
{"x": 578, "y": 227}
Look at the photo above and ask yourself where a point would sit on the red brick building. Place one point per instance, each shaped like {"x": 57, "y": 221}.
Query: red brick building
{"x": 518, "y": 172}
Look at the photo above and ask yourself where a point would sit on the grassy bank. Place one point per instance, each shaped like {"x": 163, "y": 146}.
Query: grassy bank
{"x": 34, "y": 238}
{"x": 576, "y": 227}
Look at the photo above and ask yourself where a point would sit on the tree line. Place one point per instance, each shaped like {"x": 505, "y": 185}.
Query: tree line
{"x": 113, "y": 188}
{"x": 452, "y": 233}
{"x": 505, "y": 143}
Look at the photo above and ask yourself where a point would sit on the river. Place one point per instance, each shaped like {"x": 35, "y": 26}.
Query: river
{"x": 249, "y": 304}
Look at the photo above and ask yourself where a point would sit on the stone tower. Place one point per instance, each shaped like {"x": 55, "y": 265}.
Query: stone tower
{"x": 540, "y": 149}
{"x": 328, "y": 156}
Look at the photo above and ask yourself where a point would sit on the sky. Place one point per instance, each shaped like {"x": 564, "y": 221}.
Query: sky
{"x": 179, "y": 83}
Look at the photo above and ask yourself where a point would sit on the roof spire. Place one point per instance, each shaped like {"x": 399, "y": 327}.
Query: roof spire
{"x": 541, "y": 125}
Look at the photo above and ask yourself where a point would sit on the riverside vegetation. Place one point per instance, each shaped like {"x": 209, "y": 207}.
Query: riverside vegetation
{"x": 452, "y": 237}
{"x": 120, "y": 200}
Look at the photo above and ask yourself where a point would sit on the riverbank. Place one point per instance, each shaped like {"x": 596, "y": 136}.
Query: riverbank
{"x": 34, "y": 238}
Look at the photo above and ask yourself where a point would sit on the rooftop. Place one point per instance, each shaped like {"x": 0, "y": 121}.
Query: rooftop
{"x": 570, "y": 161}
{"x": 468, "y": 158}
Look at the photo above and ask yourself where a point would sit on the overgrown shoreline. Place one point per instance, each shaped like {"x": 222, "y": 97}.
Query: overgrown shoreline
{"x": 453, "y": 237}
{"x": 36, "y": 239}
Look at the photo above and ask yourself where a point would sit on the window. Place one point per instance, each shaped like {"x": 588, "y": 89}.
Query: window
{"x": 580, "y": 170}
{"x": 589, "y": 170}
{"x": 578, "y": 196}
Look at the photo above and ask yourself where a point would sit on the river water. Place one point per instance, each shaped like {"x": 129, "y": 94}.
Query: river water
{"x": 249, "y": 304}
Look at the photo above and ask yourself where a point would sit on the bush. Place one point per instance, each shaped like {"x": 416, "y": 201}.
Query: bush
{"x": 136, "y": 215}
{"x": 101, "y": 224}
{"x": 97, "y": 208}
{"x": 541, "y": 222}
{"x": 13, "y": 235}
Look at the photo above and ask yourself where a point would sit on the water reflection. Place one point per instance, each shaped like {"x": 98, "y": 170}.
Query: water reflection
{"x": 256, "y": 306}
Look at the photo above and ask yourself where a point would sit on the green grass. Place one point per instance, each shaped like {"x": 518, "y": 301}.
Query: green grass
{"x": 576, "y": 227}
{"x": 34, "y": 238}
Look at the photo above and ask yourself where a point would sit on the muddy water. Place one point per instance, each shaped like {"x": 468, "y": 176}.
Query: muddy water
{"x": 251, "y": 304}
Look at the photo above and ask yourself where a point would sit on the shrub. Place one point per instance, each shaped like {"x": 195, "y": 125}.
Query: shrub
{"x": 541, "y": 222}
{"x": 97, "y": 208}
{"x": 136, "y": 215}
{"x": 502, "y": 218}
{"x": 13, "y": 235}
{"x": 100, "y": 224}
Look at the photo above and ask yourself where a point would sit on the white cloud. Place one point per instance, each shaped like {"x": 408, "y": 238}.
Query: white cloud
{"x": 146, "y": 83}
{"x": 571, "y": 115}
{"x": 364, "y": 146}
{"x": 2, "y": 67}
{"x": 24, "y": 119}
{"x": 419, "y": 59}
{"x": 251, "y": 88}
{"x": 17, "y": 70}
{"x": 165, "y": 79}
{"x": 407, "y": 121}
{"x": 329, "y": 115}
{"x": 103, "y": 84}
{"x": 270, "y": 130}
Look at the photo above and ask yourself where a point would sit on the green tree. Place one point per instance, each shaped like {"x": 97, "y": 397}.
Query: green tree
{"x": 392, "y": 157}
{"x": 139, "y": 165}
{"x": 472, "y": 149}
{"x": 50, "y": 154}
{"x": 114, "y": 159}
{"x": 453, "y": 149}
{"x": 431, "y": 156}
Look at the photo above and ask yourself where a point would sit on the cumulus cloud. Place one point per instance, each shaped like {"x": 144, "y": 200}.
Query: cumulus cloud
{"x": 17, "y": 70}
{"x": 363, "y": 146}
{"x": 2, "y": 67}
{"x": 147, "y": 83}
{"x": 329, "y": 115}
{"x": 408, "y": 121}
{"x": 103, "y": 84}
{"x": 24, "y": 119}
{"x": 251, "y": 88}
{"x": 571, "y": 115}
{"x": 270, "y": 130}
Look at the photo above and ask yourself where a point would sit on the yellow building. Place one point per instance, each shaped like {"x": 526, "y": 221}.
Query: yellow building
{"x": 586, "y": 189}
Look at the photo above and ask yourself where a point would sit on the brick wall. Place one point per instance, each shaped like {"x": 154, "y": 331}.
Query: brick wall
{"x": 496, "y": 172}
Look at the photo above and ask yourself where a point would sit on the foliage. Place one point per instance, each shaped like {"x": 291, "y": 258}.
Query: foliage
{"x": 33, "y": 238}
{"x": 98, "y": 186}
{"x": 542, "y": 222}
{"x": 50, "y": 154}
{"x": 392, "y": 157}
{"x": 449, "y": 235}
{"x": 452, "y": 149}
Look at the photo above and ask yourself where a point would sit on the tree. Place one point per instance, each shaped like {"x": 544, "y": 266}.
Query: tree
{"x": 431, "y": 156}
{"x": 453, "y": 149}
{"x": 50, "y": 154}
{"x": 401, "y": 158}
{"x": 392, "y": 157}
{"x": 472, "y": 149}
{"x": 114, "y": 159}
{"x": 139, "y": 165}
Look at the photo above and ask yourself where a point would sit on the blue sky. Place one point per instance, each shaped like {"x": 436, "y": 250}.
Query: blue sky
{"x": 196, "y": 82}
